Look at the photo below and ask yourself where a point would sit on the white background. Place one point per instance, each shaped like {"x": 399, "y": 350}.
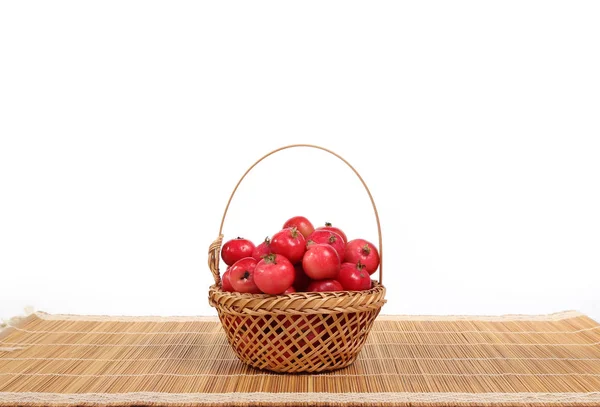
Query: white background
{"x": 124, "y": 126}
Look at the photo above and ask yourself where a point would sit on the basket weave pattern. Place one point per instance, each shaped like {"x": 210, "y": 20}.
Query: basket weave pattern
{"x": 298, "y": 332}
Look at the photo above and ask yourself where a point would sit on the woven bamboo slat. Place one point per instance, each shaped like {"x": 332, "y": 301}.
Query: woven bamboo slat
{"x": 60, "y": 360}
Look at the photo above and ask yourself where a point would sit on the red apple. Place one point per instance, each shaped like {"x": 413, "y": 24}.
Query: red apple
{"x": 225, "y": 283}
{"x": 301, "y": 223}
{"x": 241, "y": 276}
{"x": 321, "y": 261}
{"x": 361, "y": 251}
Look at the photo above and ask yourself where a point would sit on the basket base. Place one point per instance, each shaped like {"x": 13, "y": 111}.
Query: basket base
{"x": 298, "y": 343}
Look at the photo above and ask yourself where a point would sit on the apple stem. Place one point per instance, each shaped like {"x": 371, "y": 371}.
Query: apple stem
{"x": 270, "y": 258}
{"x": 294, "y": 232}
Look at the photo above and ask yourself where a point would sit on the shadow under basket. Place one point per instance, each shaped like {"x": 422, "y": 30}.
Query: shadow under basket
{"x": 297, "y": 332}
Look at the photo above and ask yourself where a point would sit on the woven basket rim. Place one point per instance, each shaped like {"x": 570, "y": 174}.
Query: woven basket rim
{"x": 376, "y": 287}
{"x": 298, "y": 303}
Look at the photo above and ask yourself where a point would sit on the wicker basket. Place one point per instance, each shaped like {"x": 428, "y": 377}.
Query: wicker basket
{"x": 298, "y": 332}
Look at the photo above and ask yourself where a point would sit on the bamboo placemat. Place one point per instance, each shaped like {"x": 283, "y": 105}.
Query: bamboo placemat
{"x": 407, "y": 361}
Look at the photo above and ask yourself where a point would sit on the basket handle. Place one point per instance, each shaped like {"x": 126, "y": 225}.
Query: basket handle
{"x": 214, "y": 250}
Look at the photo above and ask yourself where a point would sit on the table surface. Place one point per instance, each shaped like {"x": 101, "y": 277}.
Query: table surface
{"x": 407, "y": 360}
